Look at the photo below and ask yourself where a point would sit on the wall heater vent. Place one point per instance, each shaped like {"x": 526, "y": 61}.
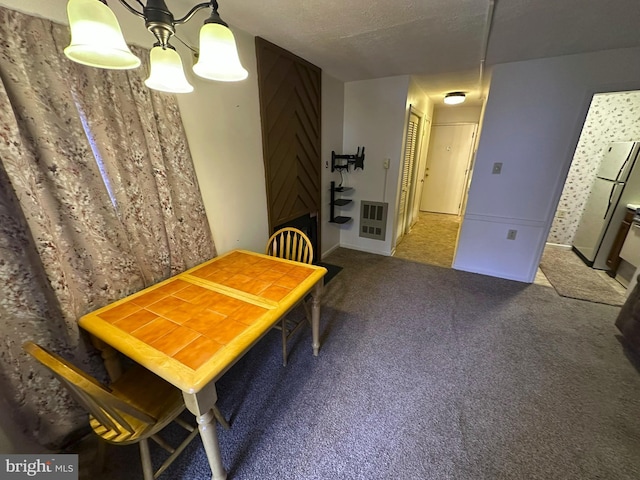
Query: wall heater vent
{"x": 373, "y": 220}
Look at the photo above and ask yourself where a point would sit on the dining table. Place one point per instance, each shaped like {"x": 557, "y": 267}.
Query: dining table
{"x": 192, "y": 327}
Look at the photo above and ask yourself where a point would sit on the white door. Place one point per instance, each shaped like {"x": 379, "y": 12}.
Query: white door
{"x": 448, "y": 164}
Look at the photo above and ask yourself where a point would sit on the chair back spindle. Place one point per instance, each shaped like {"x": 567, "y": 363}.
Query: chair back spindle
{"x": 291, "y": 244}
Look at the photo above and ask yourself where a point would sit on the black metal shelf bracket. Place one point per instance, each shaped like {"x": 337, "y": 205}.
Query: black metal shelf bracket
{"x": 343, "y": 161}
{"x": 338, "y": 202}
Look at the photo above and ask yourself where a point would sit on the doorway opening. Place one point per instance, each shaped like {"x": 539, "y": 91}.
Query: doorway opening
{"x": 443, "y": 179}
{"x": 610, "y": 126}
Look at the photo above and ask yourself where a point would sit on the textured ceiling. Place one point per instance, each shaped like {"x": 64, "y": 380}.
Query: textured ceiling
{"x": 438, "y": 41}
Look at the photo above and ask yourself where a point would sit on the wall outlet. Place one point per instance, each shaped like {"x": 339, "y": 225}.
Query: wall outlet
{"x": 497, "y": 168}
{"x": 386, "y": 163}
{"x": 511, "y": 234}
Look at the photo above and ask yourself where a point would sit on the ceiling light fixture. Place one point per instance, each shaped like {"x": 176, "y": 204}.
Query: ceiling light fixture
{"x": 97, "y": 41}
{"x": 454, "y": 98}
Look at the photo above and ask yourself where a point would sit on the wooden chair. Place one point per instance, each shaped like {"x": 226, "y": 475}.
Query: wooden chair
{"x": 132, "y": 409}
{"x": 291, "y": 244}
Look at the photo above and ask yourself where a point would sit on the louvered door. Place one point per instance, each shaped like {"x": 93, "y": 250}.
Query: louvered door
{"x": 290, "y": 95}
{"x": 407, "y": 173}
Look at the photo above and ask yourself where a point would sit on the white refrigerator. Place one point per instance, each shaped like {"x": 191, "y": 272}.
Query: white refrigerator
{"x": 600, "y": 218}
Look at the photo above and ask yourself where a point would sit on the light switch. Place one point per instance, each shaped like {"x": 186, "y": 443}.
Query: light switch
{"x": 497, "y": 168}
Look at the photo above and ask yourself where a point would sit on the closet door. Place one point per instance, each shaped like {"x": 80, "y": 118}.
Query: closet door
{"x": 290, "y": 95}
{"x": 408, "y": 163}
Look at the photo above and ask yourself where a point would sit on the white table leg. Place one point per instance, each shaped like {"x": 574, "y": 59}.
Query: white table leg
{"x": 315, "y": 315}
{"x": 110, "y": 358}
{"x": 201, "y": 404}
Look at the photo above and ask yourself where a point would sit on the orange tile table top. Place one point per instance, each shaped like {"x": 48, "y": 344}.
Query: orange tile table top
{"x": 191, "y": 327}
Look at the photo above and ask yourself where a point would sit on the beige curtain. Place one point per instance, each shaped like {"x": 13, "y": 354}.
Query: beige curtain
{"x": 98, "y": 199}
{"x": 154, "y": 189}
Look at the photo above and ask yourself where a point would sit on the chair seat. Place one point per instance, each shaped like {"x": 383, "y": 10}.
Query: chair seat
{"x": 134, "y": 408}
{"x": 148, "y": 393}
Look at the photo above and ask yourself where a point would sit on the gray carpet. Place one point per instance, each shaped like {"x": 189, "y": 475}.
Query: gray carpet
{"x": 573, "y": 279}
{"x": 429, "y": 373}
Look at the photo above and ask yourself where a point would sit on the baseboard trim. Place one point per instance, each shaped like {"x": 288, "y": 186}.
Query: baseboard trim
{"x": 366, "y": 250}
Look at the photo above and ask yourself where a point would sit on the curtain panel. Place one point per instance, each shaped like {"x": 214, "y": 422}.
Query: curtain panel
{"x": 98, "y": 199}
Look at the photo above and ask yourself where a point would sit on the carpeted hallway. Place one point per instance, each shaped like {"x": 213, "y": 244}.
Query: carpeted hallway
{"x": 429, "y": 373}
{"x": 432, "y": 240}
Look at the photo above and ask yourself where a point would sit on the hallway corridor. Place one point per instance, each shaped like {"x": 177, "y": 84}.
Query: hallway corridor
{"x": 432, "y": 240}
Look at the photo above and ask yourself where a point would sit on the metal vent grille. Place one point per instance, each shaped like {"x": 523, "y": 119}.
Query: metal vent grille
{"x": 373, "y": 220}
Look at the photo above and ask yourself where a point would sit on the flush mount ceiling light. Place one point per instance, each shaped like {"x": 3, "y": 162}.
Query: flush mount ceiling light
{"x": 97, "y": 41}
{"x": 454, "y": 98}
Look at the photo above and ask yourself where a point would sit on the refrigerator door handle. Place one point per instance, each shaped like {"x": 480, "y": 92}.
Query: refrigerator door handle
{"x": 622, "y": 169}
{"x": 613, "y": 189}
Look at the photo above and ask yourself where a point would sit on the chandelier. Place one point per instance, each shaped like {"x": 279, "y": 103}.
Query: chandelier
{"x": 97, "y": 41}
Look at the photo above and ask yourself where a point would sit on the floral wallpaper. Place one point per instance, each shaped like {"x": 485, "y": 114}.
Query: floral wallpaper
{"x": 612, "y": 117}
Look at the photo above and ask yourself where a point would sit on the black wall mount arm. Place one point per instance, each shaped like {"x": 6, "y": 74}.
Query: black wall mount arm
{"x": 342, "y": 162}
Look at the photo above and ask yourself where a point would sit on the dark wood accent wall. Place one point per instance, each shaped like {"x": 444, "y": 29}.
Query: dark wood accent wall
{"x": 290, "y": 109}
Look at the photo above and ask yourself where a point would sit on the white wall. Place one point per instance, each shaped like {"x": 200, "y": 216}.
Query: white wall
{"x": 222, "y": 122}
{"x": 532, "y": 122}
{"x": 374, "y": 117}
{"x": 332, "y": 140}
{"x": 456, "y": 114}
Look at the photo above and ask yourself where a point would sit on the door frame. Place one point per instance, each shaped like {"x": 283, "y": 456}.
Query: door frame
{"x": 469, "y": 162}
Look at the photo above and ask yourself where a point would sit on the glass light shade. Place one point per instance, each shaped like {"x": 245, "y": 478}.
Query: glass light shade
{"x": 454, "y": 98}
{"x": 167, "y": 74}
{"x": 218, "y": 59}
{"x": 96, "y": 38}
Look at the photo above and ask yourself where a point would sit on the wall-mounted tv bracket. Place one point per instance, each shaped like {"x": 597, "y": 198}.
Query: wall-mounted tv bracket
{"x": 342, "y": 162}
